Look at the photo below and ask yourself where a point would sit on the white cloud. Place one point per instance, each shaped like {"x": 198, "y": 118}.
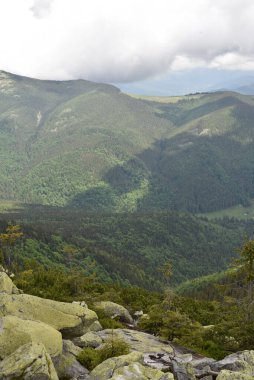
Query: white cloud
{"x": 41, "y": 8}
{"x": 124, "y": 40}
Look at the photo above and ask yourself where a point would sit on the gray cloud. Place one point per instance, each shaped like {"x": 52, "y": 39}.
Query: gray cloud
{"x": 127, "y": 40}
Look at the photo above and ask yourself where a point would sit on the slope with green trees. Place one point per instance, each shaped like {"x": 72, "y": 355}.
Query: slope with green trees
{"x": 128, "y": 248}
{"x": 88, "y": 145}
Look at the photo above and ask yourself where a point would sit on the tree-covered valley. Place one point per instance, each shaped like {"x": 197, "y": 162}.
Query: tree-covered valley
{"x": 107, "y": 197}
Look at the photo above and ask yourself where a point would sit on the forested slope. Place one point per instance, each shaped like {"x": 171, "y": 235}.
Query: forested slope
{"x": 84, "y": 144}
{"x": 128, "y": 248}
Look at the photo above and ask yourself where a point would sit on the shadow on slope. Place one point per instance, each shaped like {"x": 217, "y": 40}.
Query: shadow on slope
{"x": 189, "y": 172}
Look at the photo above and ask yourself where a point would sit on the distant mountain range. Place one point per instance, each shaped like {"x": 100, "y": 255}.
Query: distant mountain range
{"x": 84, "y": 144}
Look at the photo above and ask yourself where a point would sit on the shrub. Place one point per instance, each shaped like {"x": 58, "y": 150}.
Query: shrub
{"x": 107, "y": 322}
{"x": 113, "y": 348}
{"x": 90, "y": 358}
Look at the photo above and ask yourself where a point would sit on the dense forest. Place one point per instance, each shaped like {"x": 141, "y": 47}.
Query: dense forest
{"x": 128, "y": 248}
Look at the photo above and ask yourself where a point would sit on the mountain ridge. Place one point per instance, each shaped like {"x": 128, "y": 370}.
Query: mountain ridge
{"x": 85, "y": 144}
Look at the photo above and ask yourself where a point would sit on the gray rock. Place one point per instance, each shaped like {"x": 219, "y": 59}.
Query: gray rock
{"x": 29, "y": 362}
{"x": 239, "y": 362}
{"x": 66, "y": 364}
{"x": 137, "y": 340}
{"x": 183, "y": 371}
{"x": 127, "y": 367}
{"x": 89, "y": 339}
{"x": 113, "y": 310}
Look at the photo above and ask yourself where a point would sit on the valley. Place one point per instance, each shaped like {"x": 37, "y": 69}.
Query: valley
{"x": 129, "y": 201}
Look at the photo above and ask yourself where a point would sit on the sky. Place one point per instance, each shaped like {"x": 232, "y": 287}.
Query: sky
{"x": 126, "y": 41}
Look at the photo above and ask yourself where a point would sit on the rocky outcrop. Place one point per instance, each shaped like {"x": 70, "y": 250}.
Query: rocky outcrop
{"x": 32, "y": 345}
{"x": 137, "y": 340}
{"x": 137, "y": 371}
{"x": 6, "y": 284}
{"x": 67, "y": 365}
{"x": 113, "y": 310}
{"x": 239, "y": 362}
{"x": 31, "y": 330}
{"x": 127, "y": 367}
{"x": 29, "y": 362}
{"x": 71, "y": 319}
{"x": 15, "y": 332}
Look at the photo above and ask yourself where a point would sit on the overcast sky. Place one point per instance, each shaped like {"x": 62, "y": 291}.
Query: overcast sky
{"x": 124, "y": 40}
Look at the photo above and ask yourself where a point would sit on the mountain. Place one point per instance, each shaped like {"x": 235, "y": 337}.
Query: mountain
{"x": 248, "y": 89}
{"x": 83, "y": 144}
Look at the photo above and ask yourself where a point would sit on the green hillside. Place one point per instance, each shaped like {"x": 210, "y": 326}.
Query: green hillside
{"x": 84, "y": 144}
{"x": 128, "y": 248}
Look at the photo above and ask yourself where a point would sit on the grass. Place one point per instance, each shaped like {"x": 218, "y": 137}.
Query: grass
{"x": 165, "y": 99}
{"x": 8, "y": 206}
{"x": 239, "y": 212}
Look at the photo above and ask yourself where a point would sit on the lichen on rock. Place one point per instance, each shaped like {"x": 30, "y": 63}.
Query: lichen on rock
{"x": 15, "y": 332}
{"x": 113, "y": 310}
{"x": 29, "y": 362}
{"x": 70, "y": 319}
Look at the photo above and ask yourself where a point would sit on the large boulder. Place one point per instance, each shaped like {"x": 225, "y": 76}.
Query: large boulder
{"x": 6, "y": 284}
{"x": 127, "y": 367}
{"x": 71, "y": 319}
{"x": 66, "y": 364}
{"x": 29, "y": 362}
{"x": 113, "y": 310}
{"x": 239, "y": 362}
{"x": 137, "y": 371}
{"x": 15, "y": 332}
{"x": 137, "y": 340}
{"x": 229, "y": 375}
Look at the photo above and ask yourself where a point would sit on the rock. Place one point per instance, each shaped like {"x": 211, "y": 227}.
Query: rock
{"x": 137, "y": 371}
{"x": 29, "y": 362}
{"x": 114, "y": 310}
{"x": 71, "y": 348}
{"x": 137, "y": 340}
{"x": 6, "y": 284}
{"x": 106, "y": 369}
{"x": 66, "y": 364}
{"x": 127, "y": 367}
{"x": 80, "y": 303}
{"x": 89, "y": 339}
{"x": 71, "y": 319}
{"x": 160, "y": 361}
{"x": 229, "y": 375}
{"x": 138, "y": 314}
{"x": 15, "y": 332}
{"x": 183, "y": 371}
{"x": 240, "y": 362}
{"x": 95, "y": 326}
{"x": 200, "y": 363}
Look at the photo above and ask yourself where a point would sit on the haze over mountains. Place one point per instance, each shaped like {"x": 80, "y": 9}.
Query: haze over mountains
{"x": 192, "y": 81}
{"x": 83, "y": 144}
